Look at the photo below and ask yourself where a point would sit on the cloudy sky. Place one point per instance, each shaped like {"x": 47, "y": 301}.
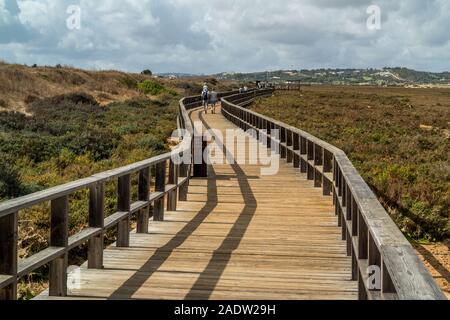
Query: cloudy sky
{"x": 198, "y": 36}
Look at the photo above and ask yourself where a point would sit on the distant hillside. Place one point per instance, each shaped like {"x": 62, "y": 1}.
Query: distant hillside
{"x": 22, "y": 85}
{"x": 385, "y": 76}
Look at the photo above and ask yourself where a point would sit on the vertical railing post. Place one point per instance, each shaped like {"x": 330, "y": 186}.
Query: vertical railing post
{"x": 8, "y": 254}
{"x": 387, "y": 286}
{"x": 184, "y": 188}
{"x": 160, "y": 186}
{"x": 363, "y": 237}
{"x": 59, "y": 237}
{"x": 273, "y": 136}
{"x": 96, "y": 220}
{"x": 374, "y": 258}
{"x": 310, "y": 157}
{"x": 289, "y": 143}
{"x": 303, "y": 152}
{"x": 173, "y": 180}
{"x": 296, "y": 146}
{"x": 343, "y": 210}
{"x": 143, "y": 195}
{"x": 348, "y": 202}
{"x": 123, "y": 205}
{"x": 327, "y": 168}
{"x": 318, "y": 161}
{"x": 283, "y": 149}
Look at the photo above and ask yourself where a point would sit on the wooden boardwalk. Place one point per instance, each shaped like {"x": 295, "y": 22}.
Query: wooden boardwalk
{"x": 239, "y": 236}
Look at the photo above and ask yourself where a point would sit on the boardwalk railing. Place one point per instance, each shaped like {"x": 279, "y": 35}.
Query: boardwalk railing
{"x": 373, "y": 239}
{"x": 173, "y": 186}
{"x": 383, "y": 262}
{"x": 288, "y": 86}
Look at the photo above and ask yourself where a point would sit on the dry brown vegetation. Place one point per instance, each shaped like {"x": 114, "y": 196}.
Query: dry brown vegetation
{"x": 21, "y": 85}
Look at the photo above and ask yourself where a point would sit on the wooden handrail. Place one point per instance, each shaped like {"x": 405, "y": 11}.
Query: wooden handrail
{"x": 60, "y": 243}
{"x": 373, "y": 240}
{"x": 372, "y": 237}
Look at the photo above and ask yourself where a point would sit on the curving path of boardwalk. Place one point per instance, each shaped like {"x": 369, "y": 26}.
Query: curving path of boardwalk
{"x": 237, "y": 237}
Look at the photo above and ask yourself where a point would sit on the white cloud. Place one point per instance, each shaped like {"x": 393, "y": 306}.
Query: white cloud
{"x": 211, "y": 36}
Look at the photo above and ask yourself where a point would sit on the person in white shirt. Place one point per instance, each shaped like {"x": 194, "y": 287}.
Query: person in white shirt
{"x": 205, "y": 98}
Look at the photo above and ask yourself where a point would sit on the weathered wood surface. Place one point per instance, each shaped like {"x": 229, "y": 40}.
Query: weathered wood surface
{"x": 363, "y": 220}
{"x": 239, "y": 235}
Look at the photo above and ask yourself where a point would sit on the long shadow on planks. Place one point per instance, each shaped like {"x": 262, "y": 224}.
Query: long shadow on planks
{"x": 435, "y": 263}
{"x": 132, "y": 285}
{"x": 208, "y": 279}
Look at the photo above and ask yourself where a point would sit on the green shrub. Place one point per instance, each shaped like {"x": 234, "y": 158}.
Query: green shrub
{"x": 10, "y": 181}
{"x": 151, "y": 142}
{"x": 379, "y": 129}
{"x": 99, "y": 142}
{"x": 151, "y": 87}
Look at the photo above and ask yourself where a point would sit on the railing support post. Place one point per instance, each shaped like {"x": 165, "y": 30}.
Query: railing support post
{"x": 283, "y": 149}
{"x": 96, "y": 220}
{"x": 173, "y": 180}
{"x": 160, "y": 186}
{"x": 184, "y": 188}
{"x": 289, "y": 143}
{"x": 8, "y": 254}
{"x": 123, "y": 205}
{"x": 303, "y": 152}
{"x": 318, "y": 161}
{"x": 59, "y": 237}
{"x": 296, "y": 146}
{"x": 143, "y": 195}
{"x": 310, "y": 157}
{"x": 200, "y": 164}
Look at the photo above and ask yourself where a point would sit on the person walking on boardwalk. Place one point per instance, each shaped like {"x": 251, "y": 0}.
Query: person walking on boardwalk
{"x": 213, "y": 100}
{"x": 205, "y": 97}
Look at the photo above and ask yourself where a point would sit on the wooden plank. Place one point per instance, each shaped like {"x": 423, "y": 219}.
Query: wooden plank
{"x": 83, "y": 236}
{"x": 138, "y": 205}
{"x": 6, "y": 280}
{"x": 27, "y": 201}
{"x": 156, "y": 195}
{"x": 38, "y": 260}
{"x": 170, "y": 187}
{"x": 114, "y": 219}
{"x": 402, "y": 263}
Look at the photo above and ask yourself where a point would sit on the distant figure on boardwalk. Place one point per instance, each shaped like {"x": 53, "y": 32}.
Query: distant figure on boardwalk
{"x": 245, "y": 89}
{"x": 213, "y": 100}
{"x": 205, "y": 97}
